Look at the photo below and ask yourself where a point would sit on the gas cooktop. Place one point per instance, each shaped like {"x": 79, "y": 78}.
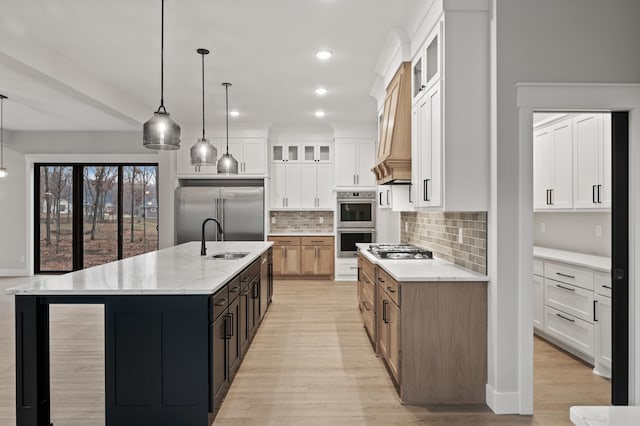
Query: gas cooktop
{"x": 399, "y": 251}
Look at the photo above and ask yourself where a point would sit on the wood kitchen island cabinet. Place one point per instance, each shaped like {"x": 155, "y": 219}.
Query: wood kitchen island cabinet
{"x": 175, "y": 330}
{"x": 432, "y": 335}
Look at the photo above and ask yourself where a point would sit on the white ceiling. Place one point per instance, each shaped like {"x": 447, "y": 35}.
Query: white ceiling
{"x": 95, "y": 65}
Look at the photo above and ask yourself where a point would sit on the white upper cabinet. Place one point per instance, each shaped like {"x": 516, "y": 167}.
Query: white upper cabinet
{"x": 592, "y": 156}
{"x": 553, "y": 166}
{"x": 426, "y": 65}
{"x": 251, "y": 154}
{"x": 572, "y": 162}
{"x": 302, "y": 176}
{"x": 285, "y": 152}
{"x": 354, "y": 158}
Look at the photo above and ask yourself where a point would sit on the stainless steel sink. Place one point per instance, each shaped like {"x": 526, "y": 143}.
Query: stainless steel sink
{"x": 229, "y": 255}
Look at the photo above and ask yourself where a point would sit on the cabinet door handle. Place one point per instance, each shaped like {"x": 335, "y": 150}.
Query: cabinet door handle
{"x": 221, "y": 302}
{"x": 365, "y": 304}
{"x": 285, "y": 252}
{"x": 380, "y": 198}
{"x": 410, "y": 191}
{"x": 391, "y": 289}
{"x": 388, "y": 191}
{"x": 357, "y": 179}
{"x": 384, "y": 311}
{"x": 380, "y": 280}
{"x": 354, "y": 179}
{"x": 228, "y": 326}
{"x": 317, "y": 241}
{"x": 424, "y": 190}
{"x": 234, "y": 289}
{"x": 606, "y": 286}
{"x": 548, "y": 197}
{"x": 282, "y": 251}
{"x": 565, "y": 288}
{"x": 551, "y": 196}
{"x": 599, "y": 187}
{"x": 565, "y": 318}
{"x": 565, "y": 275}
{"x": 595, "y": 318}
{"x": 593, "y": 193}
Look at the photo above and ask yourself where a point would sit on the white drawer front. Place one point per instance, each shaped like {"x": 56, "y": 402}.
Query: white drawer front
{"x": 570, "y": 330}
{"x": 347, "y": 269}
{"x": 538, "y": 267}
{"x": 603, "y": 283}
{"x": 569, "y": 274}
{"x": 569, "y": 299}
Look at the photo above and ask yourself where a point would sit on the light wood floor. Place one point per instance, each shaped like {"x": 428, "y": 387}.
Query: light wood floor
{"x": 310, "y": 364}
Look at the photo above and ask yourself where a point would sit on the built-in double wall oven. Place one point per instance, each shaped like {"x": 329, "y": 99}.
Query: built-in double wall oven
{"x": 356, "y": 223}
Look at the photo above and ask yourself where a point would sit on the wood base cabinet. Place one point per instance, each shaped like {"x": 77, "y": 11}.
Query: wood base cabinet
{"x": 303, "y": 257}
{"x": 431, "y": 335}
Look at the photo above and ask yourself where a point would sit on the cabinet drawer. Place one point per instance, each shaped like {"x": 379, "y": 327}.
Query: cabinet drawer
{"x": 234, "y": 289}
{"x": 368, "y": 290}
{"x": 569, "y": 274}
{"x": 369, "y": 317}
{"x": 389, "y": 285}
{"x": 219, "y": 303}
{"x": 538, "y": 267}
{"x": 569, "y": 299}
{"x": 316, "y": 241}
{"x": 367, "y": 267}
{"x": 569, "y": 330}
{"x": 602, "y": 283}
{"x": 285, "y": 241}
{"x": 249, "y": 273}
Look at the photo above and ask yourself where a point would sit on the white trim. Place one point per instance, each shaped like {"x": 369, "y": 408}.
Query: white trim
{"x": 501, "y": 402}
{"x": 571, "y": 97}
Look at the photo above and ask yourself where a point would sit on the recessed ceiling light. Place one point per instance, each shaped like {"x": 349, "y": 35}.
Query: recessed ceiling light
{"x": 321, "y": 91}
{"x": 234, "y": 113}
{"x": 324, "y": 54}
{"x": 319, "y": 114}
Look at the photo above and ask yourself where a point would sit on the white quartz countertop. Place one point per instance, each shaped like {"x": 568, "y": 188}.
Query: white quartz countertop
{"x": 598, "y": 263}
{"x": 173, "y": 270}
{"x": 422, "y": 270}
{"x": 300, "y": 234}
{"x": 605, "y": 415}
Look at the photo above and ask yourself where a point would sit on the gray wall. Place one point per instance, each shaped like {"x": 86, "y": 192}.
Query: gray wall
{"x": 13, "y": 220}
{"x": 573, "y": 232}
{"x": 540, "y": 41}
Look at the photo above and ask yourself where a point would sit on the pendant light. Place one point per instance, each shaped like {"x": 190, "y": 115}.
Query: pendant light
{"x": 161, "y": 132}
{"x": 227, "y": 165}
{"x": 203, "y": 153}
{"x": 3, "y": 171}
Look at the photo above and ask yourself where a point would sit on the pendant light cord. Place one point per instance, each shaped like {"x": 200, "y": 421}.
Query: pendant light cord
{"x": 203, "y": 95}
{"x": 226, "y": 86}
{"x": 161, "y": 107}
{"x": 2, "y": 98}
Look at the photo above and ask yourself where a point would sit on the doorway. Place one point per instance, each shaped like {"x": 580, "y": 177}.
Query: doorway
{"x": 572, "y": 249}
{"x": 624, "y": 101}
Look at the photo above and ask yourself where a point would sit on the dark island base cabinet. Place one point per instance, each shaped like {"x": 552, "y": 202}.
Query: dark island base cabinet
{"x": 169, "y": 359}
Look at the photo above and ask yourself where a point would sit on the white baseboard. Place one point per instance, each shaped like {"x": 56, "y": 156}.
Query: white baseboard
{"x": 13, "y": 273}
{"x": 503, "y": 402}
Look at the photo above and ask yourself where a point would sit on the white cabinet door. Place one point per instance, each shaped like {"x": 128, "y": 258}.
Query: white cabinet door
{"x": 309, "y": 179}
{"x": 428, "y": 186}
{"x": 562, "y": 190}
{"x": 293, "y": 185}
{"x": 365, "y": 160}
{"x": 325, "y": 186}
{"x": 538, "y": 302}
{"x": 254, "y": 160}
{"x": 542, "y": 168}
{"x": 602, "y": 344}
{"x": 346, "y": 161}
{"x": 278, "y": 185}
{"x": 587, "y": 147}
{"x": 287, "y": 153}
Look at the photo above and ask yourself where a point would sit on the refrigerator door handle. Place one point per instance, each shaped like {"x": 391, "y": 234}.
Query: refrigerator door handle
{"x": 222, "y": 221}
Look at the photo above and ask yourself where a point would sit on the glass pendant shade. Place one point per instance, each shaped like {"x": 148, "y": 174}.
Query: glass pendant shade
{"x": 227, "y": 165}
{"x": 161, "y": 132}
{"x": 203, "y": 153}
{"x": 3, "y": 172}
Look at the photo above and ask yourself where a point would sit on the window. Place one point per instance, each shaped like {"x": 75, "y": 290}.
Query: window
{"x": 116, "y": 214}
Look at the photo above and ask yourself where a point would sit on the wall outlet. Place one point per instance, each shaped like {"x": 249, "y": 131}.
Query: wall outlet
{"x": 598, "y": 230}
{"x": 460, "y": 235}
{"x": 543, "y": 227}
{"x": 321, "y": 219}
{"x": 273, "y": 220}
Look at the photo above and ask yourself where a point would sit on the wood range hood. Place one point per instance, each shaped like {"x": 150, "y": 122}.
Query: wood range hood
{"x": 393, "y": 164}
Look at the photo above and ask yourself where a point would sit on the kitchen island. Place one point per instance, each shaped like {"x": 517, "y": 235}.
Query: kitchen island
{"x": 177, "y": 326}
{"x": 427, "y": 319}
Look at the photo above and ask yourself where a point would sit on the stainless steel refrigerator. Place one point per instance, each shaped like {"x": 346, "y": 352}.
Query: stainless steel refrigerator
{"x": 237, "y": 204}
